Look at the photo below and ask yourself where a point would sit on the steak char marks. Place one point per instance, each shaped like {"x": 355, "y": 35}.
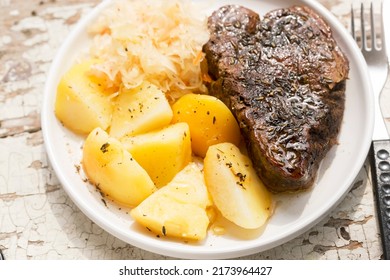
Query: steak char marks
{"x": 284, "y": 79}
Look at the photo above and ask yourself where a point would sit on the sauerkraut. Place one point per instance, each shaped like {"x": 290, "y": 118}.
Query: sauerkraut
{"x": 159, "y": 41}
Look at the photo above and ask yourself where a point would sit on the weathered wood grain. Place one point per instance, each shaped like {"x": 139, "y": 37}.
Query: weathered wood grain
{"x": 39, "y": 221}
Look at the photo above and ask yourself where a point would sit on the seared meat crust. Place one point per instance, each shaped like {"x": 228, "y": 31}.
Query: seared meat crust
{"x": 284, "y": 79}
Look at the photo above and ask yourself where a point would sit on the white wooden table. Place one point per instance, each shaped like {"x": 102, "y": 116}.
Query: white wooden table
{"x": 37, "y": 218}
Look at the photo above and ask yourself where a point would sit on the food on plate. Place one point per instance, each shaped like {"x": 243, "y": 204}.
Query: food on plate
{"x": 139, "y": 110}
{"x": 235, "y": 188}
{"x": 162, "y": 153}
{"x": 82, "y": 103}
{"x": 284, "y": 78}
{"x": 165, "y": 99}
{"x": 113, "y": 170}
{"x": 209, "y": 119}
{"x": 152, "y": 40}
{"x": 180, "y": 209}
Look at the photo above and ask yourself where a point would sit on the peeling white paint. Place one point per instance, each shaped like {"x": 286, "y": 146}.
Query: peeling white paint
{"x": 30, "y": 23}
{"x": 14, "y": 13}
{"x": 5, "y": 40}
{"x": 37, "y": 218}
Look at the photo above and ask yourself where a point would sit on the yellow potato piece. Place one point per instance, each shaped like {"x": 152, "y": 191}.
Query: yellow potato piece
{"x": 161, "y": 153}
{"x": 210, "y": 121}
{"x": 179, "y": 209}
{"x": 140, "y": 110}
{"x": 111, "y": 168}
{"x": 235, "y": 188}
{"x": 82, "y": 102}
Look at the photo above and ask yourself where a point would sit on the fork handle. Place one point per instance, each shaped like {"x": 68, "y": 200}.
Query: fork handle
{"x": 380, "y": 171}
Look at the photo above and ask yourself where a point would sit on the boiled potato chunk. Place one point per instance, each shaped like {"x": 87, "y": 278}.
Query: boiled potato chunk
{"x": 235, "y": 188}
{"x": 210, "y": 121}
{"x": 161, "y": 153}
{"x": 111, "y": 168}
{"x": 82, "y": 103}
{"x": 179, "y": 209}
{"x": 140, "y": 110}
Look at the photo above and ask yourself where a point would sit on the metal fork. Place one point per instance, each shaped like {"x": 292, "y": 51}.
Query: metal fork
{"x": 376, "y": 59}
{"x": 377, "y": 63}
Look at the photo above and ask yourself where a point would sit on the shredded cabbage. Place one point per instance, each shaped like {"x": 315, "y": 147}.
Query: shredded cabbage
{"x": 159, "y": 41}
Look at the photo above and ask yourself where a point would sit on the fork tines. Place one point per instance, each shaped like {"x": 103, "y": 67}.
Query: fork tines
{"x": 373, "y": 34}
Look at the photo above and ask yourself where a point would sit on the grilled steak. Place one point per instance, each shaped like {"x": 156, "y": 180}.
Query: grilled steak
{"x": 284, "y": 79}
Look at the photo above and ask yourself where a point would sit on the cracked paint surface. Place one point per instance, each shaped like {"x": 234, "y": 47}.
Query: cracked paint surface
{"x": 37, "y": 218}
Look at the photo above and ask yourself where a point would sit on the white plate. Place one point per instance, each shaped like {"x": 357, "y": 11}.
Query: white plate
{"x": 294, "y": 214}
